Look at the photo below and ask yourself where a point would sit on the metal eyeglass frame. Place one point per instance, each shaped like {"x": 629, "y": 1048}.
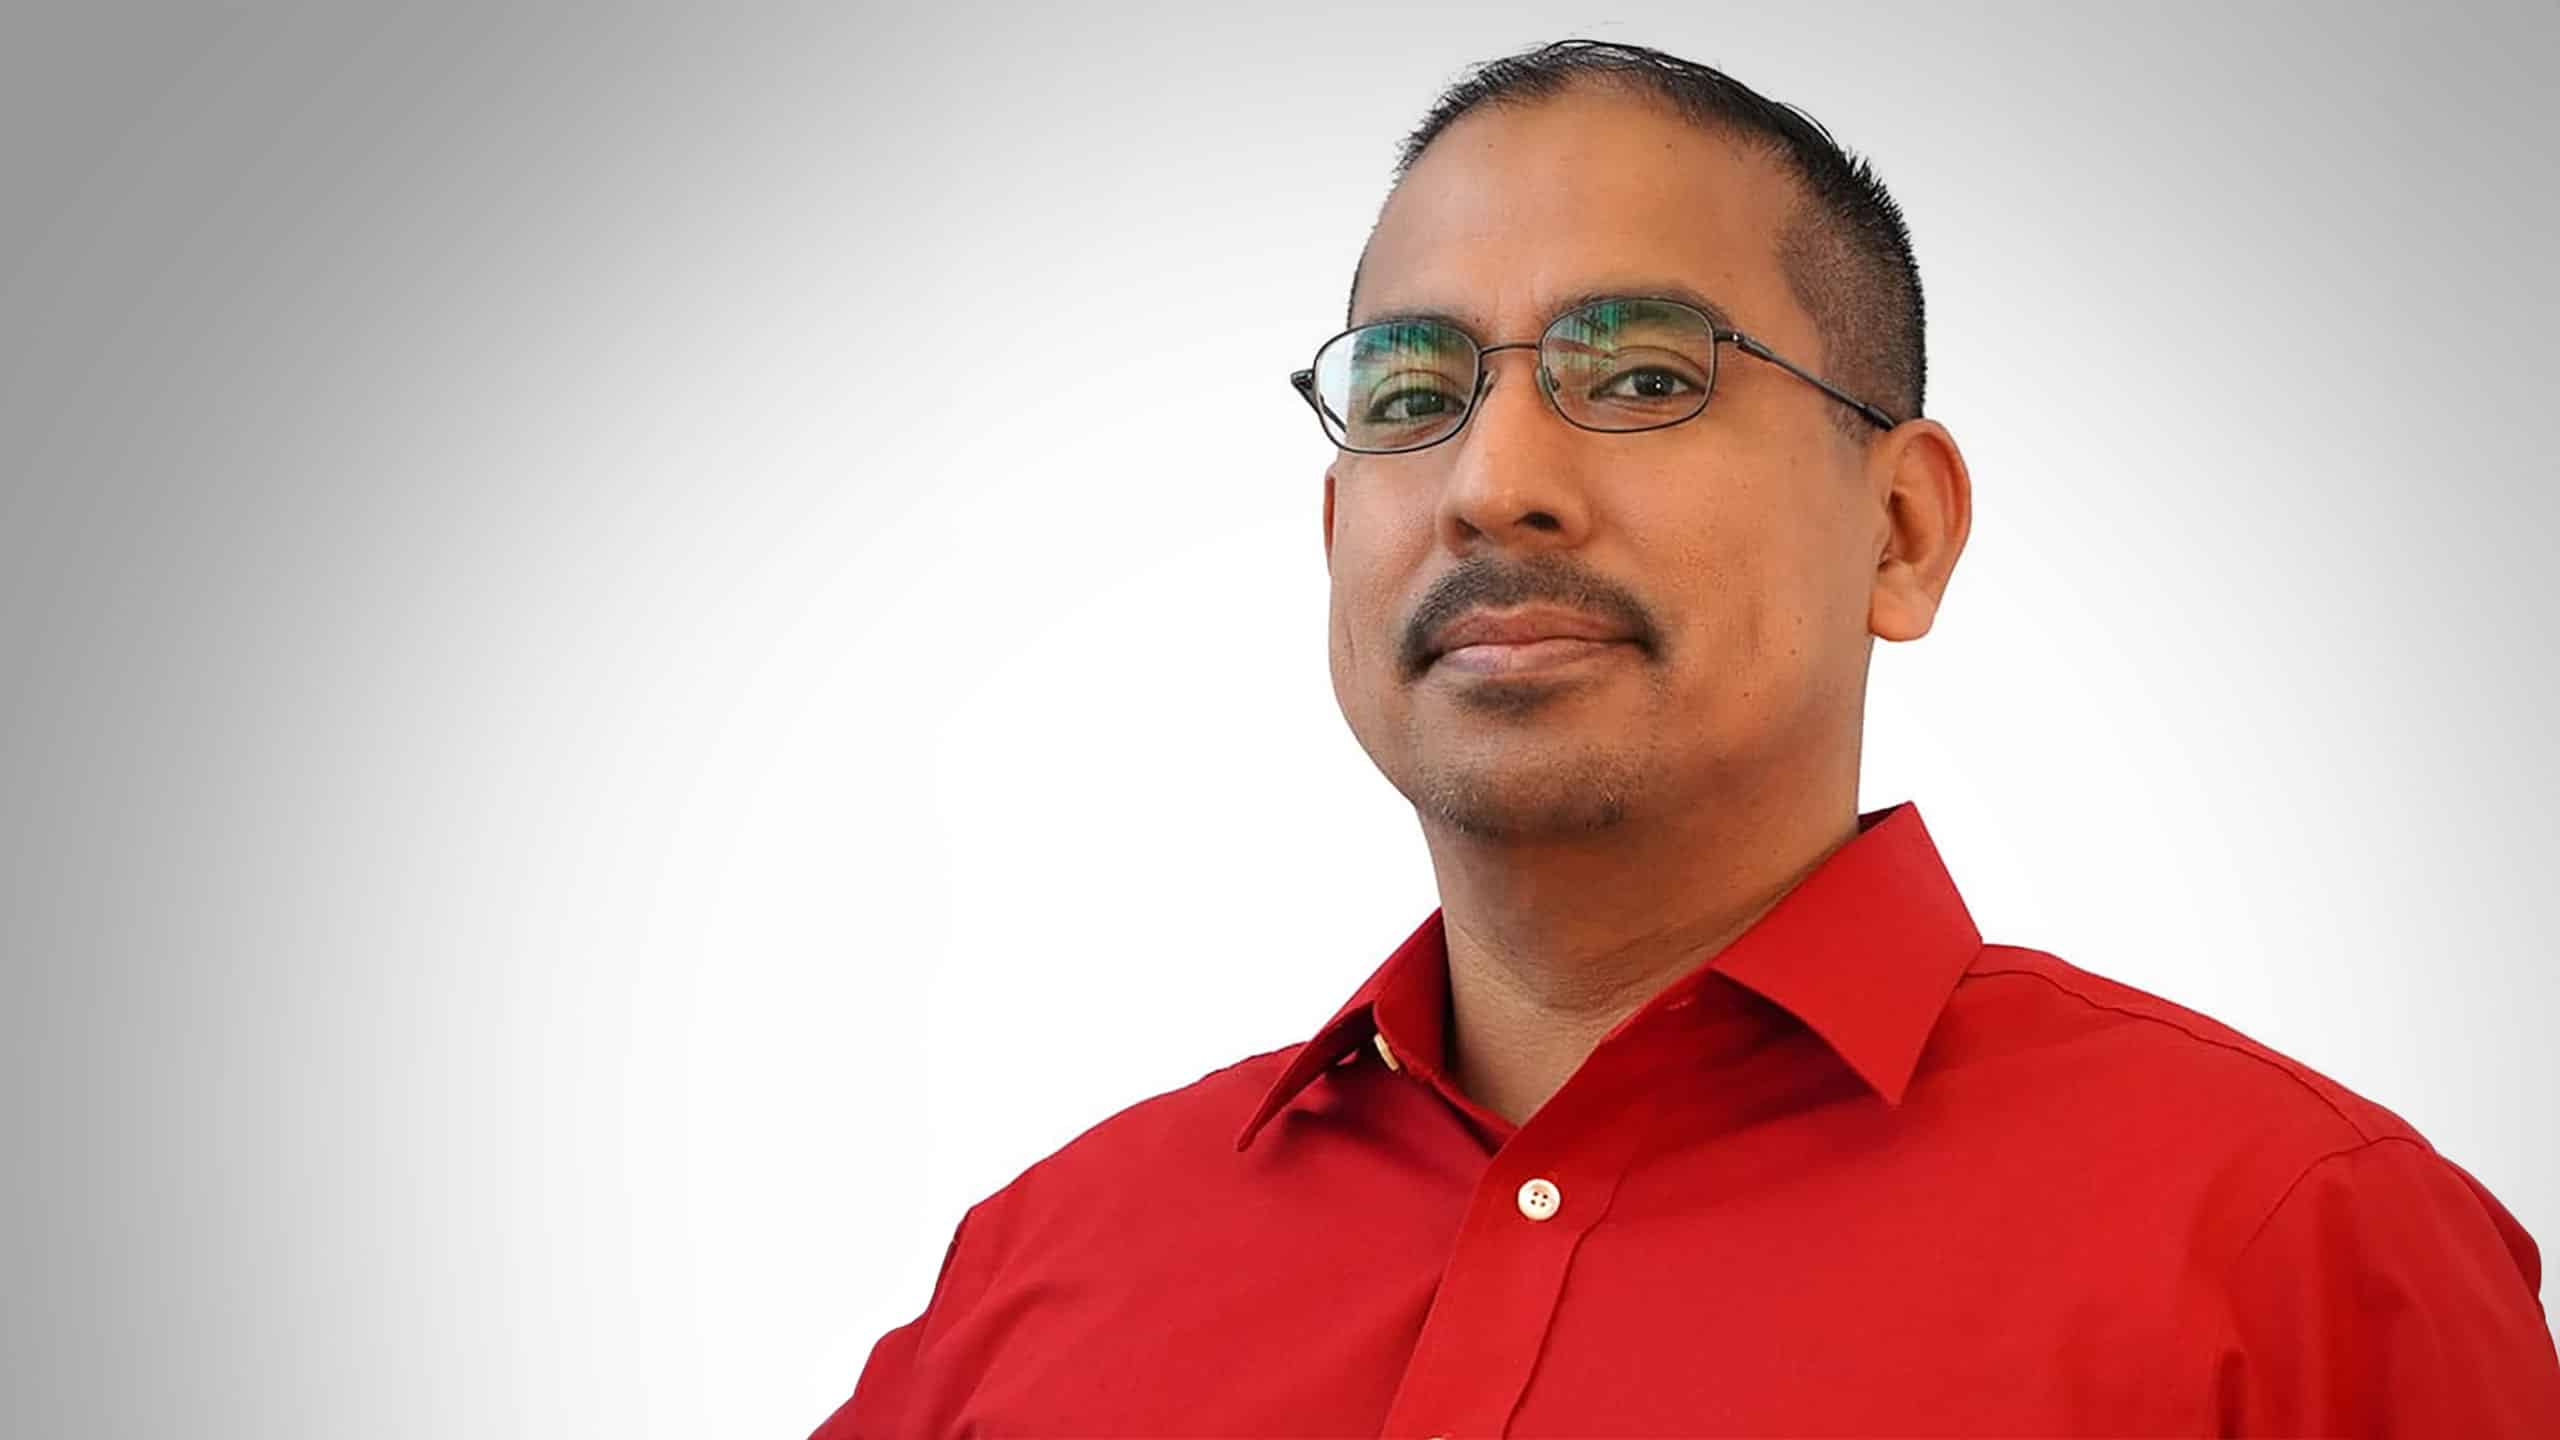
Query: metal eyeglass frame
{"x": 1304, "y": 381}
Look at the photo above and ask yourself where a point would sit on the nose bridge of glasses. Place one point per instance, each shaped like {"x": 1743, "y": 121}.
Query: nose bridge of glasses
{"x": 1484, "y": 373}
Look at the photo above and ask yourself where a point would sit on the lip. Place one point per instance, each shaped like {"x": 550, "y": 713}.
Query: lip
{"x": 1531, "y": 638}
{"x": 1526, "y": 656}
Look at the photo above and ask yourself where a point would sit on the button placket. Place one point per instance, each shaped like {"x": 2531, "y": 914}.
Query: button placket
{"x": 1499, "y": 1289}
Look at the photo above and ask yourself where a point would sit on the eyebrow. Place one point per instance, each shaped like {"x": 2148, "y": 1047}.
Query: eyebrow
{"x": 1638, "y": 289}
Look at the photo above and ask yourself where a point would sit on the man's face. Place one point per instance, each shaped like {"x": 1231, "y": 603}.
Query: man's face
{"x": 1737, "y": 549}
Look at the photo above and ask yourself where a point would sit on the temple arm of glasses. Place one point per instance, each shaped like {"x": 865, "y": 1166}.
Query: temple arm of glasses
{"x": 1749, "y": 346}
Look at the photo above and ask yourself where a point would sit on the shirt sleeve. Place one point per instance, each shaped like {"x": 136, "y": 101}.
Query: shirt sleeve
{"x": 880, "y": 1400}
{"x": 2390, "y": 1294}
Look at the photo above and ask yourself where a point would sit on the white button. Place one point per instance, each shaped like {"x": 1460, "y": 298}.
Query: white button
{"x": 1539, "y": 1199}
{"x": 1383, "y": 1052}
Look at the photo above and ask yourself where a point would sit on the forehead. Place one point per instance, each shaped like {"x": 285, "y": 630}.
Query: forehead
{"x": 1516, "y": 213}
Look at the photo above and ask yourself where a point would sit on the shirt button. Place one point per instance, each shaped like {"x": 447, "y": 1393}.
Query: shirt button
{"x": 1539, "y": 1199}
{"x": 1383, "y": 1052}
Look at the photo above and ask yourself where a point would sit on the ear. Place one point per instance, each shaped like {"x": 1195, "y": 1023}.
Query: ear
{"x": 1328, "y": 522}
{"x": 1924, "y": 512}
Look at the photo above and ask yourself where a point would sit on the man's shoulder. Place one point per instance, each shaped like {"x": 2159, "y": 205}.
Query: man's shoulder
{"x": 2180, "y": 1057}
{"x": 1203, "y": 1115}
{"x": 1180, "y": 1135}
{"x": 2149, "y": 1096}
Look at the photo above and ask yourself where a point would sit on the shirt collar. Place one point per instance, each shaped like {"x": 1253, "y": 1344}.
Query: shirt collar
{"x": 1864, "y": 951}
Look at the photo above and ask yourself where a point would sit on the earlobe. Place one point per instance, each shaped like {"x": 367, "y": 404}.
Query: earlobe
{"x": 1926, "y": 497}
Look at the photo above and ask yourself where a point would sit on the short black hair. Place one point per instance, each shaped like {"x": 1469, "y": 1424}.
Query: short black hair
{"x": 1846, "y": 251}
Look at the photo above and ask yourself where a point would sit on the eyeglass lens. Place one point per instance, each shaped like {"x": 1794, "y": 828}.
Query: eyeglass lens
{"x": 1610, "y": 365}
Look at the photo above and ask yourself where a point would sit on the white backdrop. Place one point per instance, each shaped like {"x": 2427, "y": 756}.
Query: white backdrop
{"x": 646, "y": 652}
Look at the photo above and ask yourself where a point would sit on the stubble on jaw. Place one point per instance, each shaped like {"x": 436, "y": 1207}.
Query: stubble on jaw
{"x": 1530, "y": 789}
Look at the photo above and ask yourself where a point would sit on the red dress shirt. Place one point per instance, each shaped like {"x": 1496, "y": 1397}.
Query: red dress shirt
{"x": 1859, "y": 1173}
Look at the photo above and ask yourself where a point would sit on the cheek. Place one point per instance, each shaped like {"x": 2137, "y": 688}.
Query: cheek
{"x": 1359, "y": 636}
{"x": 1343, "y": 647}
{"x": 1755, "y": 580}
{"x": 1806, "y": 610}
{"x": 1373, "y": 556}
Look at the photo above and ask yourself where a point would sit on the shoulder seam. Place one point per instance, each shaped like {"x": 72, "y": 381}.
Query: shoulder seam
{"x": 2287, "y": 1071}
{"x": 2269, "y": 1218}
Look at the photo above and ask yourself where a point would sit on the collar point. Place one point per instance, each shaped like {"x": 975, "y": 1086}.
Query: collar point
{"x": 1893, "y": 1089}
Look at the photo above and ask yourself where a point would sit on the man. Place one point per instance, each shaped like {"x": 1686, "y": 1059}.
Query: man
{"x": 1699, "y": 1107}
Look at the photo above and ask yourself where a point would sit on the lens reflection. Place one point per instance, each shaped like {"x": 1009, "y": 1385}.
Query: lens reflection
{"x": 1619, "y": 364}
{"x": 1630, "y": 364}
{"x": 1397, "y": 385}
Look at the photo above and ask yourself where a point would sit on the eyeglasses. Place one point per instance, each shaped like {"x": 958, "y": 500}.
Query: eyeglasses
{"x": 1615, "y": 365}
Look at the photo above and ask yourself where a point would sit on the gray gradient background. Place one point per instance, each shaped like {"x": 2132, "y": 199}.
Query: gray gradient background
{"x": 570, "y": 795}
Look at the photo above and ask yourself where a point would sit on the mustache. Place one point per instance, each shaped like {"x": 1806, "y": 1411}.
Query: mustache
{"x": 1546, "y": 579}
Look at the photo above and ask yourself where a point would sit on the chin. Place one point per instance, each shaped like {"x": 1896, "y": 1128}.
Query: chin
{"x": 1535, "y": 803}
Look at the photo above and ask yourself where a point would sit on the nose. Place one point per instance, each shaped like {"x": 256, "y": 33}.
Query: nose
{"x": 1515, "y": 480}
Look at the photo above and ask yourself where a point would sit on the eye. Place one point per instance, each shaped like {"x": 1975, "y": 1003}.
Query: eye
{"x": 1411, "y": 403}
{"x": 1645, "y": 383}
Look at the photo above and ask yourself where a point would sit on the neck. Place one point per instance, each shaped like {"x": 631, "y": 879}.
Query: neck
{"x": 1554, "y": 941}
